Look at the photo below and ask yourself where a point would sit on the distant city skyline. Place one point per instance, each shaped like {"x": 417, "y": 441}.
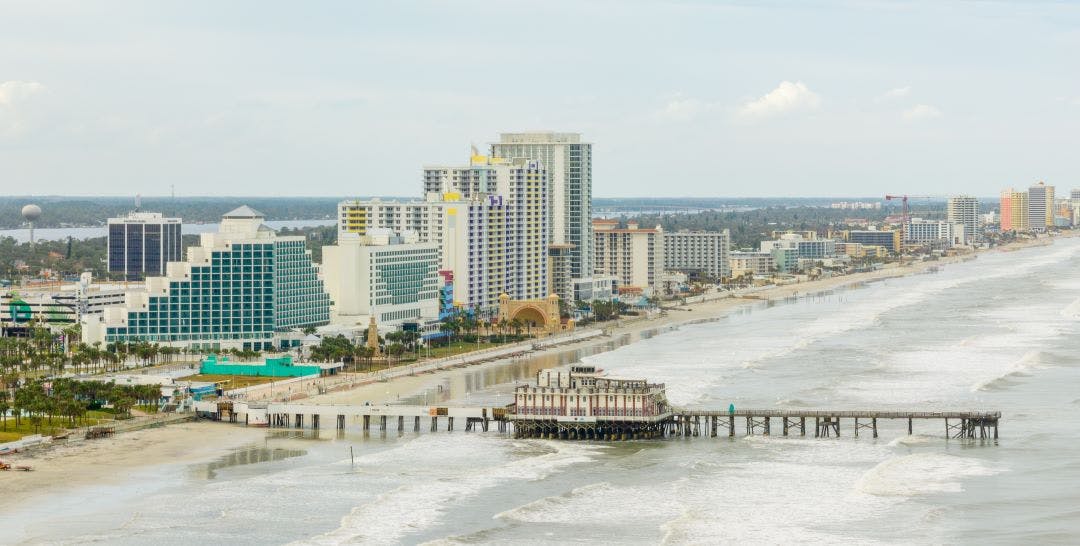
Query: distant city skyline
{"x": 687, "y": 99}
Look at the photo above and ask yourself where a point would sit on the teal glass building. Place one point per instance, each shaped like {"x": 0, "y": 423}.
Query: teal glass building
{"x": 243, "y": 287}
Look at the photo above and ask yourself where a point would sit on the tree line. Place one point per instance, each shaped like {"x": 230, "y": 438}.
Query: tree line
{"x": 68, "y": 401}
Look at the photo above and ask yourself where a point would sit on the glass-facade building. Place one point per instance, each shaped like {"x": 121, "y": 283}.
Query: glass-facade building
{"x": 141, "y": 244}
{"x": 235, "y": 291}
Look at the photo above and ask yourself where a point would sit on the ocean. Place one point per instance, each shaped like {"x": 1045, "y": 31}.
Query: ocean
{"x": 996, "y": 333}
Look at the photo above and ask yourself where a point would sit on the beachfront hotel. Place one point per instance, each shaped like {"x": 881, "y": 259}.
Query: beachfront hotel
{"x": 964, "y": 210}
{"x": 393, "y": 278}
{"x": 243, "y": 287}
{"x": 487, "y": 220}
{"x": 569, "y": 193}
{"x": 1014, "y": 210}
{"x": 704, "y": 251}
{"x": 633, "y": 255}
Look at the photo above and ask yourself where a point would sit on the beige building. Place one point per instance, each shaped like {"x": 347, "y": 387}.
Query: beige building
{"x": 755, "y": 263}
{"x": 634, "y": 255}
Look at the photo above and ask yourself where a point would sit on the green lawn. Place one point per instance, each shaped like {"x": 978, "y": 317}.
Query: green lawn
{"x": 232, "y": 381}
{"x": 10, "y": 433}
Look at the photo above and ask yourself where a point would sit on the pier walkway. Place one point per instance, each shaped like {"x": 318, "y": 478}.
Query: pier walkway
{"x": 677, "y": 422}
{"x": 958, "y": 424}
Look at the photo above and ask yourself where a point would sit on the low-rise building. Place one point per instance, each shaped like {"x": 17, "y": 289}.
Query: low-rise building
{"x": 754, "y": 263}
{"x": 889, "y": 239}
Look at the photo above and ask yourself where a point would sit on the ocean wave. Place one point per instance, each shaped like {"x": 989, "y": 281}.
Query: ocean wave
{"x": 1030, "y": 361}
{"x": 422, "y": 501}
{"x": 921, "y": 474}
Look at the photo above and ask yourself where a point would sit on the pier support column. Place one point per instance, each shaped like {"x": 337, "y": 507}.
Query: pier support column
{"x": 995, "y": 429}
{"x": 367, "y": 423}
{"x": 731, "y": 426}
{"x": 802, "y": 426}
{"x": 767, "y": 419}
{"x": 315, "y": 421}
{"x": 382, "y": 423}
{"x": 873, "y": 421}
{"x": 341, "y": 422}
{"x": 712, "y": 429}
{"x": 817, "y": 427}
{"x": 856, "y": 427}
{"x": 785, "y": 419}
{"x": 434, "y": 423}
{"x": 449, "y": 424}
{"x": 401, "y": 423}
{"x": 299, "y": 420}
{"x": 909, "y": 426}
{"x": 416, "y": 424}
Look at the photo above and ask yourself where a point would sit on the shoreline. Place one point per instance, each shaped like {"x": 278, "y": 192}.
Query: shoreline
{"x": 86, "y": 463}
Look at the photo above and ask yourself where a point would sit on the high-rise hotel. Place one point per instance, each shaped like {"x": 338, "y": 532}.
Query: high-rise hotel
{"x": 243, "y": 287}
{"x": 569, "y": 196}
{"x": 141, "y": 243}
{"x": 488, "y": 220}
{"x": 964, "y": 210}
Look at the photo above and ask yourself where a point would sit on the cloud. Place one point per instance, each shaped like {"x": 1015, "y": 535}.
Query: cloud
{"x": 921, "y": 111}
{"x": 682, "y": 108}
{"x": 894, "y": 94}
{"x": 13, "y": 92}
{"x": 787, "y": 97}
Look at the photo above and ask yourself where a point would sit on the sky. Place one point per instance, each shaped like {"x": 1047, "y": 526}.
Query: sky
{"x": 679, "y": 98}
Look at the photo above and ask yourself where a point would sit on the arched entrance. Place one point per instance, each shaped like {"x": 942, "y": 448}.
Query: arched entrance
{"x": 539, "y": 316}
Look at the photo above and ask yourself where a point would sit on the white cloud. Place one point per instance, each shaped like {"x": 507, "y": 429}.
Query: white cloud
{"x": 682, "y": 108}
{"x": 787, "y": 97}
{"x": 12, "y": 92}
{"x": 894, "y": 94}
{"x": 921, "y": 111}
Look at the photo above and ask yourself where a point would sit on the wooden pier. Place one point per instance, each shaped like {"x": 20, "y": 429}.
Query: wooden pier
{"x": 827, "y": 423}
{"x": 676, "y": 422}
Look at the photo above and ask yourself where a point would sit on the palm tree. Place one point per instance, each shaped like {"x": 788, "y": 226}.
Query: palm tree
{"x": 4, "y": 406}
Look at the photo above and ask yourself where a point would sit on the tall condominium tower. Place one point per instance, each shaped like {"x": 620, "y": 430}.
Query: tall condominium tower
{"x": 1040, "y": 207}
{"x": 569, "y": 163}
{"x": 964, "y": 209}
{"x": 493, "y": 235}
{"x": 141, "y": 243}
{"x": 1014, "y": 210}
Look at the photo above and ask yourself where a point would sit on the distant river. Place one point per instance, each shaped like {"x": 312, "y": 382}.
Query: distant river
{"x": 1001, "y": 332}
{"x": 55, "y": 234}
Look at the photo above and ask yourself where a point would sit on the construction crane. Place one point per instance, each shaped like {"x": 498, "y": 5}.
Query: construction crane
{"x": 905, "y": 210}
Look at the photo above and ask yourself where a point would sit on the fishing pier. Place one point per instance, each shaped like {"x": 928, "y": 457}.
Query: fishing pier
{"x": 581, "y": 404}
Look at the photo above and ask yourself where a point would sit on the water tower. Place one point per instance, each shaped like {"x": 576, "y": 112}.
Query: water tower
{"x": 31, "y": 213}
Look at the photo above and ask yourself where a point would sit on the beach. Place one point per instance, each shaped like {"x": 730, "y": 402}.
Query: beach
{"x": 91, "y": 463}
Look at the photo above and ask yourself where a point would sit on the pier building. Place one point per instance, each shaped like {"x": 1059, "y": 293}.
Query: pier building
{"x": 580, "y": 403}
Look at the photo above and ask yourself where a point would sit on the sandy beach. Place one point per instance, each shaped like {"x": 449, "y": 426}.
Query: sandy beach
{"x": 86, "y": 463}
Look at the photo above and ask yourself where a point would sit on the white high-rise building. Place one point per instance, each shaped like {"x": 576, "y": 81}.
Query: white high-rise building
{"x": 494, "y": 239}
{"x": 705, "y": 251}
{"x": 934, "y": 232}
{"x": 569, "y": 195}
{"x": 393, "y": 278}
{"x": 964, "y": 209}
